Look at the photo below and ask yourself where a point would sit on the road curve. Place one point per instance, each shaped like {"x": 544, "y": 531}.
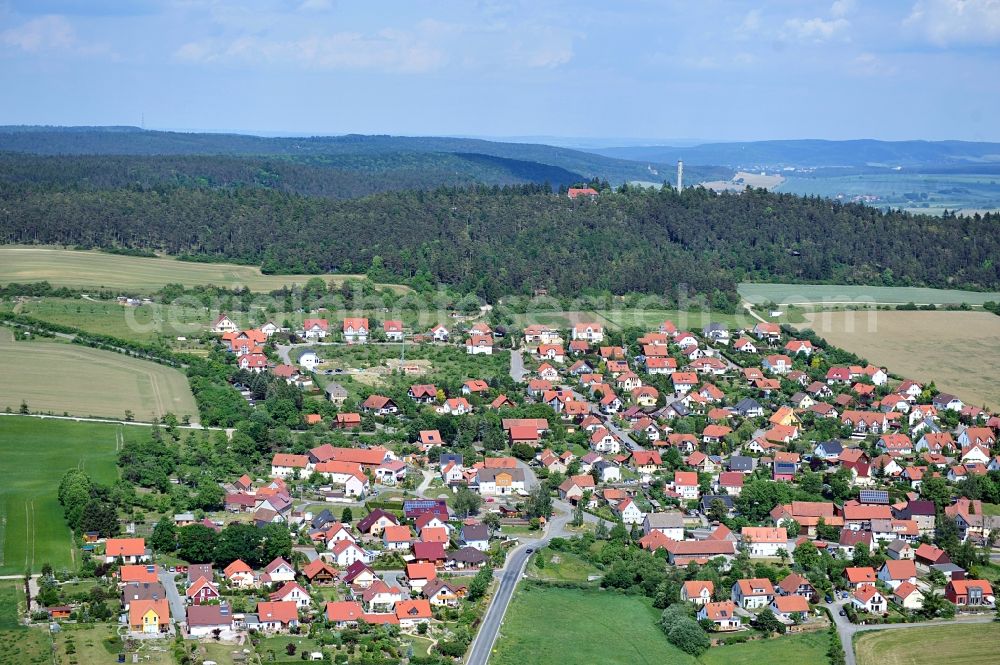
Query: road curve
{"x": 510, "y": 574}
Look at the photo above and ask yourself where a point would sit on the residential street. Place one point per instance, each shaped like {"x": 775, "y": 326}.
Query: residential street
{"x": 517, "y": 370}
{"x": 846, "y": 630}
{"x": 173, "y": 596}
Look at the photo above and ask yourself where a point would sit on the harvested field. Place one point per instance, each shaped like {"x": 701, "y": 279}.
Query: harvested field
{"x": 93, "y": 269}
{"x": 68, "y": 378}
{"x": 934, "y": 645}
{"x": 959, "y": 351}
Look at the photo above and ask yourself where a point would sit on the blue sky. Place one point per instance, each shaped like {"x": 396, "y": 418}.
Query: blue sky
{"x": 711, "y": 69}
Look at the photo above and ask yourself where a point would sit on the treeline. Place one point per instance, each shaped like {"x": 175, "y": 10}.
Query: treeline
{"x": 496, "y": 241}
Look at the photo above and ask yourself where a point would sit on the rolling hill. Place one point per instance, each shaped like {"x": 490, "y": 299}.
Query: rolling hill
{"x": 818, "y": 153}
{"x": 457, "y": 159}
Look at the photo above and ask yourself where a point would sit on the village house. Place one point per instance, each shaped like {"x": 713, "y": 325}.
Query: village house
{"x": 697, "y": 592}
{"x": 149, "y": 617}
{"x": 753, "y": 593}
{"x": 128, "y": 550}
{"x": 722, "y": 615}
{"x": 763, "y": 542}
{"x": 355, "y": 330}
{"x": 867, "y": 598}
{"x": 786, "y": 608}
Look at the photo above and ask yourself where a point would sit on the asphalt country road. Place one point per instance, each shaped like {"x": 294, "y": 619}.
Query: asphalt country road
{"x": 510, "y": 574}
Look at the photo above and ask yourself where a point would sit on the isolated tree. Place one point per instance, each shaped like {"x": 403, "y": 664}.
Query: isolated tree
{"x": 467, "y": 502}
{"x": 480, "y": 584}
{"x": 766, "y": 622}
{"x": 164, "y": 536}
{"x": 688, "y": 636}
{"x": 492, "y": 521}
{"x": 539, "y": 502}
{"x": 347, "y": 516}
{"x": 717, "y": 511}
{"x": 578, "y": 514}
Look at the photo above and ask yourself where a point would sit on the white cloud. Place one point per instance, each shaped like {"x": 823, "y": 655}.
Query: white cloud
{"x": 841, "y": 8}
{"x": 423, "y": 46}
{"x": 46, "y": 33}
{"x": 50, "y": 34}
{"x": 540, "y": 48}
{"x": 815, "y": 29}
{"x": 750, "y": 23}
{"x": 946, "y": 22}
{"x": 316, "y": 5}
{"x": 869, "y": 64}
{"x": 387, "y": 50}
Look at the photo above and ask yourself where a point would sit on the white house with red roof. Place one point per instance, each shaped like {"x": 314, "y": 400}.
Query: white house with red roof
{"x": 278, "y": 570}
{"x": 629, "y": 512}
{"x": 393, "y": 330}
{"x": 591, "y": 332}
{"x": 686, "y": 484}
{"x": 315, "y": 328}
{"x": 291, "y": 592}
{"x": 355, "y": 330}
{"x": 753, "y": 593}
{"x": 868, "y": 599}
{"x": 252, "y": 362}
{"x": 224, "y": 324}
{"x": 722, "y": 615}
{"x": 239, "y": 575}
{"x": 479, "y": 345}
{"x": 345, "y": 553}
{"x": 284, "y": 465}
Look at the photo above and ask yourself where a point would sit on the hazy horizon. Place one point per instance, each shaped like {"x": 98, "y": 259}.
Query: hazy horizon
{"x": 732, "y": 71}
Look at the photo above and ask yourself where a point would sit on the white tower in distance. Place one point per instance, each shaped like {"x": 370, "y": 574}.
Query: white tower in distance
{"x": 680, "y": 175}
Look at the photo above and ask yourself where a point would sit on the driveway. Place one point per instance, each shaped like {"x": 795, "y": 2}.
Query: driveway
{"x": 177, "y": 609}
{"x": 426, "y": 482}
{"x": 846, "y": 630}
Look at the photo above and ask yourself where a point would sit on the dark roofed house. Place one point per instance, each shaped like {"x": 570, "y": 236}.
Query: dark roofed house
{"x": 325, "y": 517}
{"x": 202, "y": 620}
{"x": 467, "y": 557}
{"x": 709, "y": 499}
{"x": 741, "y": 463}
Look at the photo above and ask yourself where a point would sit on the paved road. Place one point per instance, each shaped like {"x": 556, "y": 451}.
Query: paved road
{"x": 622, "y": 435}
{"x": 177, "y": 611}
{"x": 517, "y": 370}
{"x": 510, "y": 574}
{"x": 846, "y": 630}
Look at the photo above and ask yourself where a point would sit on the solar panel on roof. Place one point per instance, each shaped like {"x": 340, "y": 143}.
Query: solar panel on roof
{"x": 874, "y": 496}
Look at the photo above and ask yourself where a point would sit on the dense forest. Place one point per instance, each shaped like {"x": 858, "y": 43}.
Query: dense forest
{"x": 343, "y": 176}
{"x": 501, "y": 240}
{"x": 365, "y": 154}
